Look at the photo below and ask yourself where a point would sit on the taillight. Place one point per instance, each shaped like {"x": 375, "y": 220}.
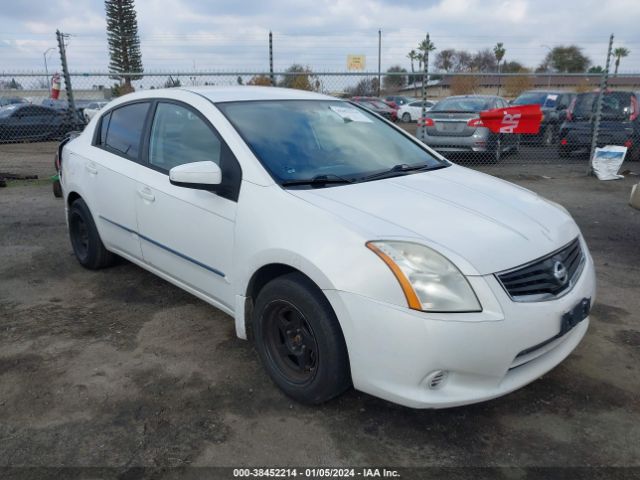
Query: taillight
{"x": 572, "y": 105}
{"x": 628, "y": 143}
{"x": 563, "y": 141}
{"x": 426, "y": 122}
{"x": 634, "y": 108}
{"x": 475, "y": 122}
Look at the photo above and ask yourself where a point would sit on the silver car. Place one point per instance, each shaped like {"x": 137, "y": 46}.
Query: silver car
{"x": 454, "y": 125}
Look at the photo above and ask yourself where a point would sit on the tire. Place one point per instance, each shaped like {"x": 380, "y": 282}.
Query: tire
{"x": 634, "y": 154}
{"x": 547, "y": 138}
{"x": 406, "y": 117}
{"x": 85, "y": 240}
{"x": 57, "y": 189}
{"x": 299, "y": 340}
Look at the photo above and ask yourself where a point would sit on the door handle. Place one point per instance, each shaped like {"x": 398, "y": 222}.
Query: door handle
{"x": 91, "y": 168}
{"x": 146, "y": 194}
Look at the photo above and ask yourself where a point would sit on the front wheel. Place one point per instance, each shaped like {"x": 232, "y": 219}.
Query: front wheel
{"x": 406, "y": 117}
{"x": 299, "y": 340}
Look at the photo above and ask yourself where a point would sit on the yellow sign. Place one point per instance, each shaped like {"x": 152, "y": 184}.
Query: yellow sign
{"x": 356, "y": 62}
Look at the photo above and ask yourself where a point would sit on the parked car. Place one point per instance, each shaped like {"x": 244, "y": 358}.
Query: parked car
{"x": 397, "y": 101}
{"x": 12, "y": 101}
{"x": 454, "y": 125}
{"x": 619, "y": 124}
{"x": 91, "y": 109}
{"x": 378, "y": 106}
{"x": 554, "y": 105}
{"x": 411, "y": 112}
{"x": 24, "y": 121}
{"x": 347, "y": 250}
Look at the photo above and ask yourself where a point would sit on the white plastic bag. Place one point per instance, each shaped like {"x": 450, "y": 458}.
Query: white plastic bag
{"x": 607, "y": 161}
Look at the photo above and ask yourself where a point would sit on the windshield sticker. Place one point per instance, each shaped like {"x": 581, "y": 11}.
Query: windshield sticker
{"x": 552, "y": 97}
{"x": 349, "y": 114}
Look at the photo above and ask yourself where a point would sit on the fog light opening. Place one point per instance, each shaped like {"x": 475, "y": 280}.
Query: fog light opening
{"x": 436, "y": 379}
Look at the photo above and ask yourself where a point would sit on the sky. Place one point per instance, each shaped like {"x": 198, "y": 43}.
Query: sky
{"x": 232, "y": 35}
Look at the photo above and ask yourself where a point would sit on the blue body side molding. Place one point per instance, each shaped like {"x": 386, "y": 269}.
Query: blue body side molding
{"x": 164, "y": 247}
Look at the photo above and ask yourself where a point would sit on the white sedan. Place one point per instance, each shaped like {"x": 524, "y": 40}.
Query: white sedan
{"x": 411, "y": 112}
{"x": 349, "y": 252}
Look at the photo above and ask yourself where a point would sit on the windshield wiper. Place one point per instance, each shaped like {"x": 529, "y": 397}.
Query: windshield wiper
{"x": 399, "y": 169}
{"x": 318, "y": 180}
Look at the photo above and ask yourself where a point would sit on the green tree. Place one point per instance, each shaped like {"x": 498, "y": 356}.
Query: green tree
{"x": 423, "y": 47}
{"x": 300, "y": 77}
{"x": 172, "y": 82}
{"x": 619, "y": 53}
{"x": 395, "y": 82}
{"x": 124, "y": 43}
{"x": 566, "y": 59}
{"x": 595, "y": 69}
{"x": 513, "y": 67}
{"x": 499, "y": 52}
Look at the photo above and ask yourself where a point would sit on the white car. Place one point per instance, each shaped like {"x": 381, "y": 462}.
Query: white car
{"x": 91, "y": 109}
{"x": 349, "y": 252}
{"x": 411, "y": 112}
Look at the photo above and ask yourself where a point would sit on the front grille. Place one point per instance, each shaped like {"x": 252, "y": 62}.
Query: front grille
{"x": 546, "y": 278}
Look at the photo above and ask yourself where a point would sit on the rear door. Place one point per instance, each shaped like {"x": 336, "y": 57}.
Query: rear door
{"x": 111, "y": 174}
{"x": 187, "y": 233}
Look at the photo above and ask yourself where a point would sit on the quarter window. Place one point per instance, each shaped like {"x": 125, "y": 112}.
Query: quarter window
{"x": 179, "y": 136}
{"x": 124, "y": 129}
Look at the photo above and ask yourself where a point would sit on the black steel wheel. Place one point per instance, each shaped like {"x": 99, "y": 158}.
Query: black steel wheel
{"x": 290, "y": 341}
{"x": 299, "y": 340}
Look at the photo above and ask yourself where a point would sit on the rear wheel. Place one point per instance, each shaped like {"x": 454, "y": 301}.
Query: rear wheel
{"x": 85, "y": 240}
{"x": 406, "y": 117}
{"x": 299, "y": 340}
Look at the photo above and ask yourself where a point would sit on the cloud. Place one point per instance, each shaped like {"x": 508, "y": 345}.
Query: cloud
{"x": 232, "y": 35}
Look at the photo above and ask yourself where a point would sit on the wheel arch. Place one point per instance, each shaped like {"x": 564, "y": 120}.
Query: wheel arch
{"x": 263, "y": 275}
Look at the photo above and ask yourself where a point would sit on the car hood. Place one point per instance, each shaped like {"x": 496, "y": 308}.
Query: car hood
{"x": 483, "y": 224}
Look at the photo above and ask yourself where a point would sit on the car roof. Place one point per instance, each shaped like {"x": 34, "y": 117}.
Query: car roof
{"x": 248, "y": 93}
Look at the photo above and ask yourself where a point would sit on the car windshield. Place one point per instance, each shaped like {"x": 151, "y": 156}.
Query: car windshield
{"x": 615, "y": 105}
{"x": 462, "y": 104}
{"x": 303, "y": 139}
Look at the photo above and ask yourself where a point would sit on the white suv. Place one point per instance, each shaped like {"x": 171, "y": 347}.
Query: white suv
{"x": 348, "y": 251}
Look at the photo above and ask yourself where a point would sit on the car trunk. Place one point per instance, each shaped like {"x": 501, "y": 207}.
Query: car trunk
{"x": 451, "y": 124}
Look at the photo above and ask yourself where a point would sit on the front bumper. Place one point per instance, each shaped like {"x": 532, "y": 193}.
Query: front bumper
{"x": 394, "y": 350}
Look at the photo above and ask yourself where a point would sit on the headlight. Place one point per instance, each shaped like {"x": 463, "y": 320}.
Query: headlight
{"x": 430, "y": 282}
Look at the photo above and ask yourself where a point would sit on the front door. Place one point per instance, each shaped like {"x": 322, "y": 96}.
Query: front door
{"x": 184, "y": 232}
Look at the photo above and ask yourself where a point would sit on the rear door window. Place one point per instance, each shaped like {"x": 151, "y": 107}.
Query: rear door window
{"x": 124, "y": 130}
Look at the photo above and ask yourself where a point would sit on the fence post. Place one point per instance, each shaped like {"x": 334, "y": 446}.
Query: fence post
{"x": 71, "y": 104}
{"x": 273, "y": 83}
{"x": 596, "y": 123}
{"x": 379, "y": 60}
{"x": 425, "y": 78}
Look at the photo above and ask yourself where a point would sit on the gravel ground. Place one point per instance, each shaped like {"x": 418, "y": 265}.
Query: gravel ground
{"x": 120, "y": 369}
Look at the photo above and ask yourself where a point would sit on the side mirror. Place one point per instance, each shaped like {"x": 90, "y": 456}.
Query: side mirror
{"x": 198, "y": 175}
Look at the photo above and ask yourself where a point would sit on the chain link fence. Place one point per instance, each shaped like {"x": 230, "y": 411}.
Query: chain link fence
{"x": 36, "y": 109}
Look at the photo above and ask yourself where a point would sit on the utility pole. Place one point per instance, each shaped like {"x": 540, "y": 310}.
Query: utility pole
{"x": 379, "y": 55}
{"x": 425, "y": 78}
{"x": 603, "y": 86}
{"x": 71, "y": 110}
{"x": 273, "y": 83}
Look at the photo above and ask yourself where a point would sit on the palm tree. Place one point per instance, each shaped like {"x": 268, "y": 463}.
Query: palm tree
{"x": 424, "y": 48}
{"x": 412, "y": 55}
{"x": 619, "y": 53}
{"x": 499, "y": 52}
